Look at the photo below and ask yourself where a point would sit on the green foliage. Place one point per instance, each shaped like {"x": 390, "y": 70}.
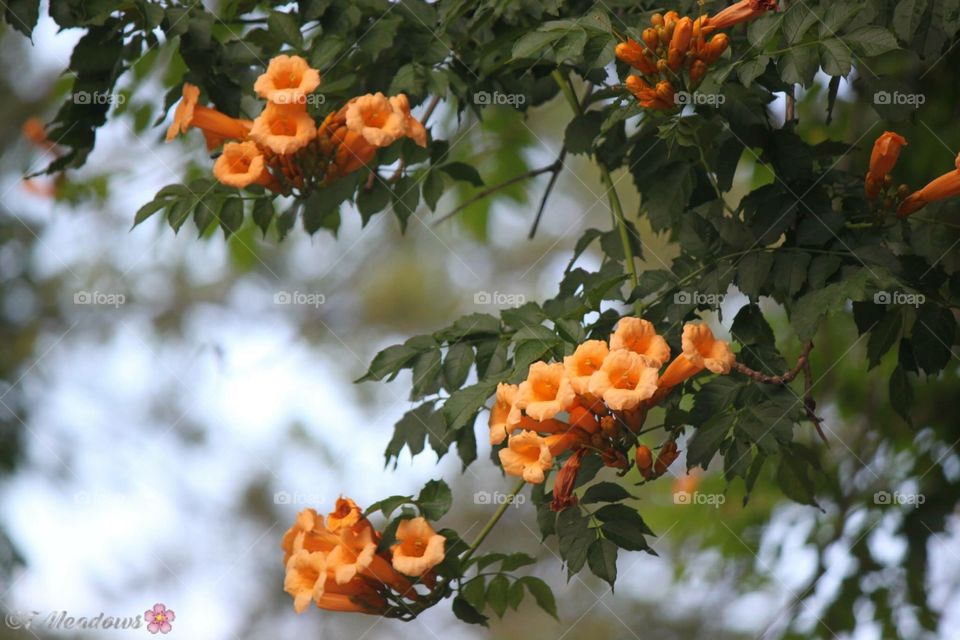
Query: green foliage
{"x": 799, "y": 239}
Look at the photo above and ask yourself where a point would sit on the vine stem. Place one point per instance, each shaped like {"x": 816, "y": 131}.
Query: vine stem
{"x": 491, "y": 523}
{"x": 563, "y": 81}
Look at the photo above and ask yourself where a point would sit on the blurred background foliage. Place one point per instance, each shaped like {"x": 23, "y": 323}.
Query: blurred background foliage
{"x": 143, "y": 447}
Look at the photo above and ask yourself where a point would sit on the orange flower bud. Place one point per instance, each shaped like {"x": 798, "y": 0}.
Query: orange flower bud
{"x": 656, "y": 19}
{"x": 674, "y": 59}
{"x": 565, "y": 481}
{"x": 651, "y": 38}
{"x": 667, "y": 455}
{"x": 697, "y": 72}
{"x": 634, "y": 54}
{"x": 670, "y": 17}
{"x": 715, "y": 47}
{"x": 886, "y": 151}
{"x": 665, "y": 92}
{"x": 681, "y": 35}
{"x": 644, "y": 461}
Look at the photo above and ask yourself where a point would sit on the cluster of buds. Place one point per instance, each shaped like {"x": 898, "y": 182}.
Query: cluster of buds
{"x": 676, "y": 52}
{"x": 879, "y": 185}
{"x": 339, "y": 566}
{"x": 596, "y": 401}
{"x": 283, "y": 149}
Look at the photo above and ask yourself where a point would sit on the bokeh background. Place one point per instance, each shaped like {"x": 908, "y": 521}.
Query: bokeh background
{"x": 155, "y": 450}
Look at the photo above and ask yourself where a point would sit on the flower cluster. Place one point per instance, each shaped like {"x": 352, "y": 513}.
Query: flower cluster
{"x": 674, "y": 44}
{"x": 340, "y": 566}
{"x": 604, "y": 389}
{"x": 283, "y": 148}
{"x": 878, "y": 183}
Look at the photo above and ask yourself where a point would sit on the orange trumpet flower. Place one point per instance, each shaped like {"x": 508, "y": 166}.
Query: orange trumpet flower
{"x": 739, "y": 12}
{"x": 946, "y": 186}
{"x": 216, "y": 126}
{"x": 701, "y": 350}
{"x": 886, "y": 151}
{"x": 241, "y": 164}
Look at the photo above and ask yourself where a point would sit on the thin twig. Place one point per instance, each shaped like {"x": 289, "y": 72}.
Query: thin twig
{"x": 546, "y": 193}
{"x": 781, "y": 379}
{"x": 532, "y": 173}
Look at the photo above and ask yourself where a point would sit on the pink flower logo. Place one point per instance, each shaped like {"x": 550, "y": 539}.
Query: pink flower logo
{"x": 159, "y": 618}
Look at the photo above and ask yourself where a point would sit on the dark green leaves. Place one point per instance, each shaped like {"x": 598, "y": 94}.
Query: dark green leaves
{"x": 435, "y": 500}
{"x": 22, "y": 15}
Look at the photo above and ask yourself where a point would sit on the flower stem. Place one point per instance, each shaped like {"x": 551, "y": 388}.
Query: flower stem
{"x": 563, "y": 81}
{"x": 491, "y": 523}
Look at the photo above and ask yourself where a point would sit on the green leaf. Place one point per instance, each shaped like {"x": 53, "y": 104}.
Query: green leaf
{"x": 475, "y": 593}
{"x": 624, "y": 526}
{"x": 883, "y": 336}
{"x": 466, "y": 612}
{"x": 149, "y": 209}
{"x": 426, "y": 374}
{"x": 602, "y": 558}
{"x": 907, "y": 16}
{"x": 22, "y": 15}
{"x": 901, "y": 393}
{"x": 463, "y": 172}
{"x": 797, "y": 21}
{"x": 752, "y": 273}
{"x": 497, "y": 594}
{"x": 872, "y": 40}
{"x": 575, "y": 539}
{"x": 231, "y": 216}
{"x": 432, "y": 188}
{"x": 582, "y": 131}
{"x": 411, "y": 431}
{"x": 605, "y": 492}
{"x": 406, "y": 198}
{"x": 388, "y": 505}
{"x": 750, "y": 70}
{"x": 372, "y": 201}
{"x": 462, "y": 405}
{"x": 542, "y": 593}
{"x": 285, "y": 27}
{"x": 837, "y": 17}
{"x": 799, "y": 66}
{"x": 514, "y": 561}
{"x": 263, "y": 213}
{"x": 516, "y": 595}
{"x": 933, "y": 335}
{"x": 381, "y": 36}
{"x": 835, "y": 57}
{"x": 794, "y": 478}
{"x": 435, "y": 499}
{"x": 705, "y": 441}
{"x": 533, "y": 43}
{"x": 389, "y": 362}
{"x": 456, "y": 365}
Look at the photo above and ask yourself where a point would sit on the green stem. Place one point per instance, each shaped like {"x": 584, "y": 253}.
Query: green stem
{"x": 563, "y": 81}
{"x": 491, "y": 523}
